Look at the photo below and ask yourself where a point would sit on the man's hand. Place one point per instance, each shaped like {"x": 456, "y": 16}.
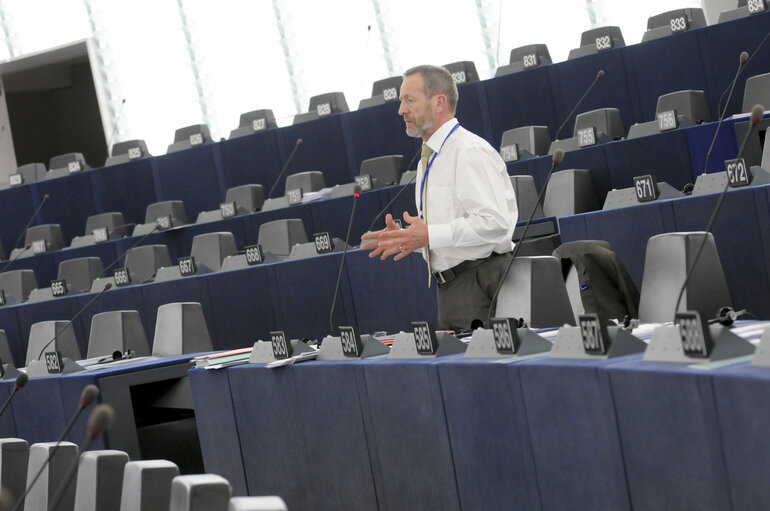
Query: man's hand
{"x": 392, "y": 241}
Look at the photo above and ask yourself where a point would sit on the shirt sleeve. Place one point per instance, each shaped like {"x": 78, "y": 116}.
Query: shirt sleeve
{"x": 486, "y": 199}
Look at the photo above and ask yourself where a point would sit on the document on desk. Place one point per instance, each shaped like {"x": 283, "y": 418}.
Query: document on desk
{"x": 309, "y": 355}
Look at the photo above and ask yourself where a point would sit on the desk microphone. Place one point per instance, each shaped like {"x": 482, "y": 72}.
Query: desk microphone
{"x": 21, "y": 380}
{"x": 599, "y": 74}
{"x": 87, "y": 396}
{"x": 558, "y": 156}
{"x": 76, "y": 316}
{"x": 356, "y": 195}
{"x": 99, "y": 421}
{"x": 756, "y": 114}
{"x": 129, "y": 249}
{"x": 742, "y": 59}
{"x": 285, "y": 166}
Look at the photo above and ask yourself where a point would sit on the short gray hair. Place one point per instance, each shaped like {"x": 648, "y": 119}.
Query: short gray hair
{"x": 436, "y": 80}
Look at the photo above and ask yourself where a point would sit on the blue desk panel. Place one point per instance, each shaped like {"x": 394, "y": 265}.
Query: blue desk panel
{"x": 332, "y": 401}
{"x": 666, "y": 65}
{"x": 253, "y": 159}
{"x": 16, "y": 207}
{"x": 741, "y": 393}
{"x": 127, "y": 188}
{"x": 193, "y": 176}
{"x": 668, "y": 426}
{"x": 271, "y": 434}
{"x": 221, "y": 452}
{"x": 489, "y": 435}
{"x": 323, "y": 148}
{"x": 410, "y": 435}
{"x": 574, "y": 433}
{"x": 521, "y": 99}
{"x": 377, "y": 131}
{"x": 617, "y": 89}
{"x": 71, "y": 200}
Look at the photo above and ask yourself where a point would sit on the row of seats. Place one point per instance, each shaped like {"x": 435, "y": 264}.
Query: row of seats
{"x": 180, "y": 328}
{"x": 106, "y": 480}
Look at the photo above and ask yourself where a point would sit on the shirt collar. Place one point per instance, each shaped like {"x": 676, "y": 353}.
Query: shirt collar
{"x": 435, "y": 140}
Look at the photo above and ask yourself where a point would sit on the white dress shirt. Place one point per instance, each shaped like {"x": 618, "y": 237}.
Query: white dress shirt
{"x": 470, "y": 204}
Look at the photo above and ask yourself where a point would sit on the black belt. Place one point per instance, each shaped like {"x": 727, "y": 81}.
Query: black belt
{"x": 446, "y": 276}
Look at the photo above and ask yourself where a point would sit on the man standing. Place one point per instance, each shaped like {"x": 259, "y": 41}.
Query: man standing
{"x": 466, "y": 207}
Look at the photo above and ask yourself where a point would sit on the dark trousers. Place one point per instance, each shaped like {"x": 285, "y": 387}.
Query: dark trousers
{"x": 469, "y": 296}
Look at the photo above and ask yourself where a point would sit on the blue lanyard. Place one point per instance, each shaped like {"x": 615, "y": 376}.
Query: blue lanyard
{"x": 430, "y": 164}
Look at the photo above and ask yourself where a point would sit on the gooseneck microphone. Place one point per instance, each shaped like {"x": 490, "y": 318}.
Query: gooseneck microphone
{"x": 99, "y": 421}
{"x": 558, "y": 156}
{"x": 21, "y": 380}
{"x": 756, "y": 114}
{"x": 76, "y": 316}
{"x": 285, "y": 166}
{"x": 129, "y": 249}
{"x": 87, "y": 397}
{"x": 599, "y": 74}
{"x": 742, "y": 59}
{"x": 356, "y": 195}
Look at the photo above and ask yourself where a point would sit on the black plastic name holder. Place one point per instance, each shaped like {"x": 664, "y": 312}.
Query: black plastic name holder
{"x": 227, "y": 209}
{"x": 324, "y": 109}
{"x": 323, "y": 242}
{"x": 679, "y": 24}
{"x": 259, "y": 124}
{"x": 351, "y": 341}
{"x": 695, "y": 334}
{"x": 505, "y": 335}
{"x": 196, "y": 139}
{"x": 737, "y": 174}
{"x": 755, "y": 6}
{"x": 53, "y": 362}
{"x": 668, "y": 120}
{"x": 122, "y": 277}
{"x": 164, "y": 222}
{"x": 424, "y": 337}
{"x": 364, "y": 181}
{"x": 74, "y": 166}
{"x": 593, "y": 333}
{"x": 604, "y": 42}
{"x": 134, "y": 153}
{"x": 39, "y": 246}
{"x": 15, "y": 179}
{"x": 646, "y": 188}
{"x": 509, "y": 153}
{"x": 58, "y": 288}
{"x": 587, "y": 136}
{"x": 101, "y": 234}
{"x": 294, "y": 196}
{"x": 254, "y": 255}
{"x": 530, "y": 60}
{"x": 187, "y": 266}
{"x": 281, "y": 347}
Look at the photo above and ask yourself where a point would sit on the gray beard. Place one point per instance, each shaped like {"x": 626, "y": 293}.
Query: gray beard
{"x": 419, "y": 132}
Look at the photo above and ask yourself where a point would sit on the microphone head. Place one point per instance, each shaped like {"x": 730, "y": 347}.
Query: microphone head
{"x": 357, "y": 191}
{"x": 21, "y": 380}
{"x": 27, "y": 246}
{"x": 757, "y": 111}
{"x": 299, "y": 141}
{"x": 600, "y": 74}
{"x": 558, "y": 156}
{"x": 46, "y": 197}
{"x": 101, "y": 419}
{"x": 89, "y": 395}
{"x": 744, "y": 57}
{"x": 107, "y": 286}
